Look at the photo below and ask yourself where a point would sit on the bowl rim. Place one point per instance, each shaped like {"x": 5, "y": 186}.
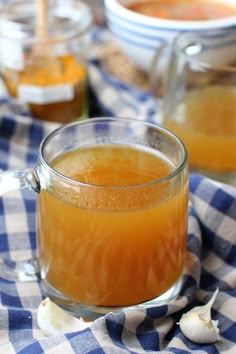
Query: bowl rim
{"x": 116, "y": 8}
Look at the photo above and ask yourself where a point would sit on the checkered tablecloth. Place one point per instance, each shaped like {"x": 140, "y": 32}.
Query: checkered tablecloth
{"x": 211, "y": 257}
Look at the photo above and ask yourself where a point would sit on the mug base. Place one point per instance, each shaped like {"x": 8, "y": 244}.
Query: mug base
{"x": 91, "y": 313}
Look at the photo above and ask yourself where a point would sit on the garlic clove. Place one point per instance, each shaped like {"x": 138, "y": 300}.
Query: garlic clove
{"x": 53, "y": 320}
{"x": 197, "y": 324}
{"x": 197, "y": 330}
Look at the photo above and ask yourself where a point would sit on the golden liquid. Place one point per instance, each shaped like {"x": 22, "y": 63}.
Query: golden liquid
{"x": 115, "y": 257}
{"x": 206, "y": 122}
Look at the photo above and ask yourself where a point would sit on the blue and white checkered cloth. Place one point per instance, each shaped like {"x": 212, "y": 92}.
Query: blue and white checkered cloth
{"x": 211, "y": 257}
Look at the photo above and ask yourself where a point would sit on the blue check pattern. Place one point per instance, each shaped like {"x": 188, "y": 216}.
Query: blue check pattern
{"x": 211, "y": 256}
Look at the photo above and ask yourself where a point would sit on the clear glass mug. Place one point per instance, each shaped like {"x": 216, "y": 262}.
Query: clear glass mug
{"x": 111, "y": 216}
{"x": 199, "y": 99}
{"x": 43, "y": 61}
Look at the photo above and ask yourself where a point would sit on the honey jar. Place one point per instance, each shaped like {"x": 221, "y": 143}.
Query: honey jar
{"x": 46, "y": 68}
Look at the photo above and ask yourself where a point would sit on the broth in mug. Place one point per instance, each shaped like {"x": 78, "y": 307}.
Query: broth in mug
{"x": 206, "y": 122}
{"x": 127, "y": 255}
{"x": 184, "y": 10}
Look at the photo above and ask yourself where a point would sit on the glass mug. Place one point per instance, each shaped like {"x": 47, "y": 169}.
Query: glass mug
{"x": 111, "y": 215}
{"x": 199, "y": 99}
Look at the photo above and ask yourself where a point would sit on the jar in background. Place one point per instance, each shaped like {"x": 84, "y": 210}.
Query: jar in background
{"x": 48, "y": 72}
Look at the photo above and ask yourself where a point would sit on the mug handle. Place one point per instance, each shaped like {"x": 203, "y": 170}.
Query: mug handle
{"x": 27, "y": 270}
{"x": 159, "y": 65}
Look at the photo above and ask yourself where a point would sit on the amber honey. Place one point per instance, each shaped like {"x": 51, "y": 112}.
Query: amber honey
{"x": 118, "y": 244}
{"x": 43, "y": 73}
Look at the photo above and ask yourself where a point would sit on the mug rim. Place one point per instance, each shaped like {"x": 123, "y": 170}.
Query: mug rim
{"x": 120, "y": 10}
{"x": 167, "y": 132}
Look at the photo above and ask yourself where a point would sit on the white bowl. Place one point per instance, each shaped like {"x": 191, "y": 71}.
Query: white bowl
{"x": 138, "y": 36}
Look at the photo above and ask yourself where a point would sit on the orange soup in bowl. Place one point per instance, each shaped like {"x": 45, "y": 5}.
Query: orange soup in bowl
{"x": 184, "y": 10}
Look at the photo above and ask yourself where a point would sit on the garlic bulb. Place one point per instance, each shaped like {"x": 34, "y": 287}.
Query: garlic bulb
{"x": 197, "y": 324}
{"x": 53, "y": 320}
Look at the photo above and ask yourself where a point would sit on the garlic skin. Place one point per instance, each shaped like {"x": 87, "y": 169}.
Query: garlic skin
{"x": 53, "y": 320}
{"x": 198, "y": 326}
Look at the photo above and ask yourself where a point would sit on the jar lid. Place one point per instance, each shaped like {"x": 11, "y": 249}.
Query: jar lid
{"x": 66, "y": 19}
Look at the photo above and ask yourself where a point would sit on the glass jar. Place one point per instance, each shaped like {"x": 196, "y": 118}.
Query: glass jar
{"x": 45, "y": 66}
